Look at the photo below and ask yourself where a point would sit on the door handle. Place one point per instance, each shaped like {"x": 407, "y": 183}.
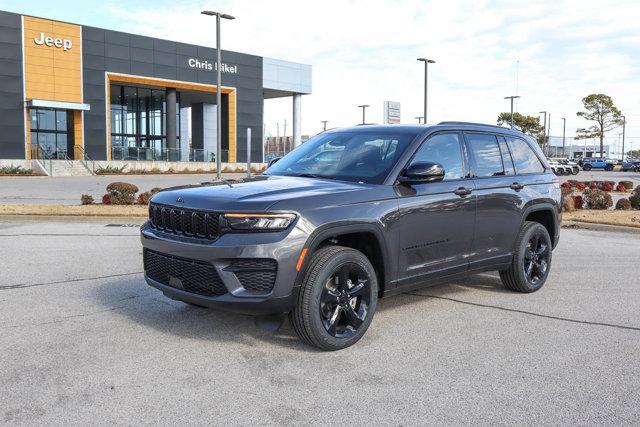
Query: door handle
{"x": 516, "y": 186}
{"x": 462, "y": 191}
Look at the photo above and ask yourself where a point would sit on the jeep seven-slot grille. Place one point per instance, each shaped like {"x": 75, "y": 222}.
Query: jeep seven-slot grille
{"x": 190, "y": 275}
{"x": 185, "y": 222}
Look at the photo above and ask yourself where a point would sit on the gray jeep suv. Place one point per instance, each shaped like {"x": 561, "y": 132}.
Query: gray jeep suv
{"x": 386, "y": 210}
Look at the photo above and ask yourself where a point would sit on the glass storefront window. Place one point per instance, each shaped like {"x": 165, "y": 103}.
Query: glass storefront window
{"x": 49, "y": 131}
{"x": 138, "y": 122}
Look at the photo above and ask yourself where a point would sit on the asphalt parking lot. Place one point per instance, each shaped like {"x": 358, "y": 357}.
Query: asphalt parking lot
{"x": 85, "y": 341}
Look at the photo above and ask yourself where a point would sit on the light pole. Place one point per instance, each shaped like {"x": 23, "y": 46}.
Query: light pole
{"x": 324, "y": 124}
{"x": 512, "y": 98}
{"x": 426, "y": 83}
{"x": 564, "y": 128}
{"x": 624, "y": 125}
{"x": 218, "y": 16}
{"x": 544, "y": 127}
{"x": 364, "y": 109}
{"x": 419, "y": 118}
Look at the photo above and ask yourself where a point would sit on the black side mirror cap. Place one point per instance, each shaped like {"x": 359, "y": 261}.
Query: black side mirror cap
{"x": 421, "y": 173}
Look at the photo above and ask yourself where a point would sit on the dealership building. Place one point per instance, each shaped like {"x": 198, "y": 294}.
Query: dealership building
{"x": 73, "y": 92}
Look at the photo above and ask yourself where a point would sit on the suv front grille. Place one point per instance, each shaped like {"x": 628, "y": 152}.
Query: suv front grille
{"x": 185, "y": 222}
{"x": 255, "y": 274}
{"x": 190, "y": 275}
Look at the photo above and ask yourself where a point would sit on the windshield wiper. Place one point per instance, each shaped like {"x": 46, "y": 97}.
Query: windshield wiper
{"x": 310, "y": 175}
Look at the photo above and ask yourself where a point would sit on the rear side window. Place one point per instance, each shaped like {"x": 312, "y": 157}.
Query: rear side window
{"x": 524, "y": 158}
{"x": 444, "y": 149}
{"x": 506, "y": 157}
{"x": 486, "y": 155}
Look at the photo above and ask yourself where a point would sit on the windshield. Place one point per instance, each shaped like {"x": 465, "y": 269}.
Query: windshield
{"x": 348, "y": 156}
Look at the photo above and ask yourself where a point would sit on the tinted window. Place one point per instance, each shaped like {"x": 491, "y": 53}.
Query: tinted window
{"x": 506, "y": 157}
{"x": 350, "y": 156}
{"x": 486, "y": 154}
{"x": 524, "y": 157}
{"x": 444, "y": 149}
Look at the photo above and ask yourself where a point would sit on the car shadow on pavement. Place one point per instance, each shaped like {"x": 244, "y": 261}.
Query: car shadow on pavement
{"x": 135, "y": 300}
{"x": 132, "y": 298}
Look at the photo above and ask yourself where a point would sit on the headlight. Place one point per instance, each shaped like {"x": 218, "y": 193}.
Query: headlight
{"x": 259, "y": 222}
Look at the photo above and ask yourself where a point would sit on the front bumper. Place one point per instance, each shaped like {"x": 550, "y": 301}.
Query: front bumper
{"x": 283, "y": 247}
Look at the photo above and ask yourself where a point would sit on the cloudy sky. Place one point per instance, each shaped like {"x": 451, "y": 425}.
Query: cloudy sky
{"x": 364, "y": 51}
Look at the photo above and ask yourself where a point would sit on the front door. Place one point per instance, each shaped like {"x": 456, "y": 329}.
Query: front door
{"x": 436, "y": 219}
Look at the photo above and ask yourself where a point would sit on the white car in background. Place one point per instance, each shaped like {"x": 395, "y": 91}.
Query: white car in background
{"x": 558, "y": 168}
{"x": 568, "y": 164}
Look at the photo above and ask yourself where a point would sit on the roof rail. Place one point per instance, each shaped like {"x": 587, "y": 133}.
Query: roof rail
{"x": 475, "y": 124}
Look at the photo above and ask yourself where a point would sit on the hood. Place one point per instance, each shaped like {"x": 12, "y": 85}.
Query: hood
{"x": 252, "y": 195}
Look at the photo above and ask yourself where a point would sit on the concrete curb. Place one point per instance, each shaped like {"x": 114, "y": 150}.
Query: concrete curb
{"x": 600, "y": 227}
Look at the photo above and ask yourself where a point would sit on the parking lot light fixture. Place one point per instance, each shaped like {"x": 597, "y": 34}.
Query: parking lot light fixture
{"x": 364, "y": 109}
{"x": 218, "y": 16}
{"x": 426, "y": 83}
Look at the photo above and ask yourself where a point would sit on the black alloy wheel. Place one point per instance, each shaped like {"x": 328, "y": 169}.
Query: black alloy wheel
{"x": 536, "y": 258}
{"x": 345, "y": 301}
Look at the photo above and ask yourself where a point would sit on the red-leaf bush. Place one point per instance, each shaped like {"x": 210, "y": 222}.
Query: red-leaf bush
{"x": 627, "y": 184}
{"x": 580, "y": 186}
{"x": 578, "y": 202}
{"x": 106, "y": 199}
{"x": 607, "y": 186}
{"x": 566, "y": 184}
{"x": 621, "y": 188}
{"x": 593, "y": 186}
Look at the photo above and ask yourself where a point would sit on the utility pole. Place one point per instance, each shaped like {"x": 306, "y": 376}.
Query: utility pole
{"x": 624, "y": 125}
{"x": 426, "y": 83}
{"x": 512, "y": 97}
{"x": 364, "y": 109}
{"x": 564, "y": 128}
{"x": 324, "y": 124}
{"x": 277, "y": 139}
{"x": 544, "y": 128}
{"x": 549, "y": 132}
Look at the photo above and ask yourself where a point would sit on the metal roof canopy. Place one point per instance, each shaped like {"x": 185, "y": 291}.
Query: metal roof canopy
{"x": 41, "y": 103}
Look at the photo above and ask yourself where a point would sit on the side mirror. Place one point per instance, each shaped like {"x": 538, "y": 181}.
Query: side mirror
{"x": 273, "y": 161}
{"x": 422, "y": 172}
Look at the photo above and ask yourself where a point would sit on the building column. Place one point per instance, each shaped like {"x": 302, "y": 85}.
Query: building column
{"x": 171, "y": 118}
{"x": 297, "y": 98}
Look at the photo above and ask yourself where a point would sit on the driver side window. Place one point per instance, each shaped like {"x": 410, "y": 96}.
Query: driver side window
{"x": 445, "y": 149}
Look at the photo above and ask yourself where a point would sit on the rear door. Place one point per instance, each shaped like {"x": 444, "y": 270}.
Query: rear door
{"x": 435, "y": 220}
{"x": 499, "y": 199}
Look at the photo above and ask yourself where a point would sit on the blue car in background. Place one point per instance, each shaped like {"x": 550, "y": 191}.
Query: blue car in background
{"x": 588, "y": 164}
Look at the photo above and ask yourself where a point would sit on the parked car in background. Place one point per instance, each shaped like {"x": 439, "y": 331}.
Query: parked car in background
{"x": 569, "y": 165}
{"x": 631, "y": 166}
{"x": 597, "y": 163}
{"x": 558, "y": 168}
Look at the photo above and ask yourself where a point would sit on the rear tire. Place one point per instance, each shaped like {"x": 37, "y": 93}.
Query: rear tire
{"x": 531, "y": 262}
{"x": 586, "y": 168}
{"x": 337, "y": 299}
{"x": 608, "y": 168}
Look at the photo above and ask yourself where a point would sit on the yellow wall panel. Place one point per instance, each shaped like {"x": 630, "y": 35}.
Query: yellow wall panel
{"x": 52, "y": 73}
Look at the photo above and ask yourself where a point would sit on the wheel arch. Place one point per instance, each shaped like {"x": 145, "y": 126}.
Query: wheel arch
{"x": 545, "y": 214}
{"x": 368, "y": 238}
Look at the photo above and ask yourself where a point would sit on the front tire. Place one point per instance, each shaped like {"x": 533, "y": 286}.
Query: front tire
{"x": 531, "y": 262}
{"x": 586, "y": 168}
{"x": 337, "y": 299}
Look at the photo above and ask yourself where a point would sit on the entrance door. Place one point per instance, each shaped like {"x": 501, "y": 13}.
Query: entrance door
{"x": 51, "y": 130}
{"x": 436, "y": 219}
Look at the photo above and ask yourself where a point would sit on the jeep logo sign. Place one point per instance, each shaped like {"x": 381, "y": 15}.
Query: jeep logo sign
{"x": 63, "y": 44}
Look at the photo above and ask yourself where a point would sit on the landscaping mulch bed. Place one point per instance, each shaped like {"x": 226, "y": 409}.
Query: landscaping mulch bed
{"x": 608, "y": 217}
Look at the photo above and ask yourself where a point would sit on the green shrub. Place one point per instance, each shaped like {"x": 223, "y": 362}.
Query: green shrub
{"x": 121, "y": 187}
{"x": 15, "y": 170}
{"x": 122, "y": 198}
{"x": 597, "y": 199}
{"x": 623, "y": 205}
{"x": 86, "y": 199}
{"x": 110, "y": 170}
{"x": 143, "y": 198}
{"x": 155, "y": 190}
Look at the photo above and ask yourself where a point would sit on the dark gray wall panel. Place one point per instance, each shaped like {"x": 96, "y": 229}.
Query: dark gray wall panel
{"x": 11, "y": 88}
